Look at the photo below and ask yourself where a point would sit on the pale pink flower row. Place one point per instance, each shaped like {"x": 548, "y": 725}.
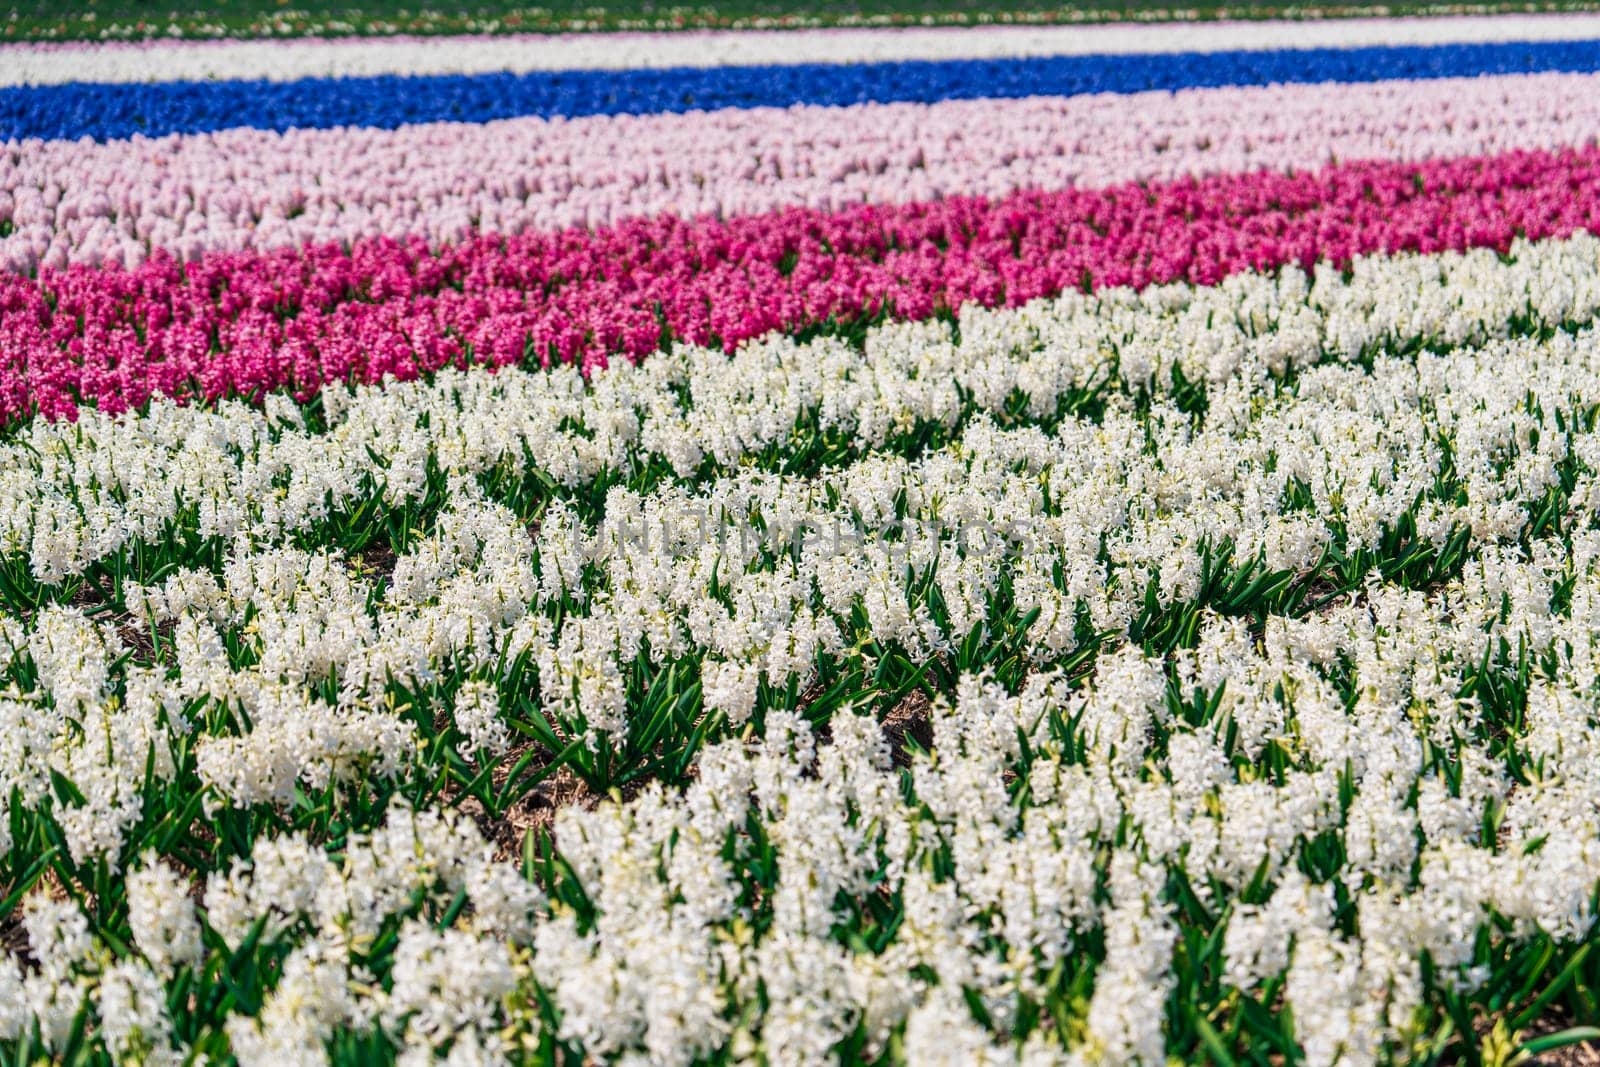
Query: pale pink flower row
{"x": 113, "y": 204}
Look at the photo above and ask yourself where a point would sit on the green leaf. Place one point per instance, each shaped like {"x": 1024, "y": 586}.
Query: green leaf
{"x": 1572, "y": 1035}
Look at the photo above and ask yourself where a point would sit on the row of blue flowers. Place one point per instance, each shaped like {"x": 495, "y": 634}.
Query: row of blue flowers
{"x": 105, "y": 111}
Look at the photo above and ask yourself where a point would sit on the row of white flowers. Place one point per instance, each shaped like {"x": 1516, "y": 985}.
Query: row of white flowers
{"x": 366, "y": 57}
{"x": 81, "y": 492}
{"x": 1288, "y": 417}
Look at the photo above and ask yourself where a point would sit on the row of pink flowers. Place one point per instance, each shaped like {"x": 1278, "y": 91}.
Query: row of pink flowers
{"x": 244, "y": 323}
{"x": 198, "y": 194}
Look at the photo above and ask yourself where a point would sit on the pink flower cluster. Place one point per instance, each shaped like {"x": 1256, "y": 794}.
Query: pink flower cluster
{"x": 247, "y": 322}
{"x": 197, "y": 194}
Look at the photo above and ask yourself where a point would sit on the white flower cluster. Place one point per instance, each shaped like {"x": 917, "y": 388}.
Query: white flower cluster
{"x": 449, "y": 988}
{"x": 1338, "y": 788}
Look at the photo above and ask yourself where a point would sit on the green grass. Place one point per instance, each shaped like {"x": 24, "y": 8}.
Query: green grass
{"x": 75, "y": 20}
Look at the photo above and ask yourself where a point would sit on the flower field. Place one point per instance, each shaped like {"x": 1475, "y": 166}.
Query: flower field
{"x": 1006, "y": 544}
